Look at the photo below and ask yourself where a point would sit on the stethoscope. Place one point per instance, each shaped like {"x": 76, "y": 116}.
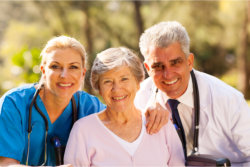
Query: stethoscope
{"x": 55, "y": 140}
{"x": 196, "y": 114}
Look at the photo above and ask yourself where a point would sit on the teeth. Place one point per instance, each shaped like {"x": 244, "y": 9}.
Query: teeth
{"x": 119, "y": 98}
{"x": 171, "y": 82}
{"x": 61, "y": 84}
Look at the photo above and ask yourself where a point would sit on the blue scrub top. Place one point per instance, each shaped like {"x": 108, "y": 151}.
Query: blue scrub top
{"x": 14, "y": 111}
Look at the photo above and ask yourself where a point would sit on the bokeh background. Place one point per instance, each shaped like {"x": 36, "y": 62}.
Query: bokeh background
{"x": 219, "y": 33}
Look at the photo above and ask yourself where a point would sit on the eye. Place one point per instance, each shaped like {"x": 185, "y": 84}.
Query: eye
{"x": 124, "y": 79}
{"x": 157, "y": 67}
{"x": 176, "y": 62}
{"x": 107, "y": 81}
{"x": 54, "y": 66}
{"x": 74, "y": 67}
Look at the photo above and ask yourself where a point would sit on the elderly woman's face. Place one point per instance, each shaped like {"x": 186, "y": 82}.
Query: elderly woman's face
{"x": 118, "y": 88}
{"x": 63, "y": 72}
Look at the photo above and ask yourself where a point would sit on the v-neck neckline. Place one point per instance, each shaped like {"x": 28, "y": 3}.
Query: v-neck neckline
{"x": 109, "y": 133}
{"x": 43, "y": 109}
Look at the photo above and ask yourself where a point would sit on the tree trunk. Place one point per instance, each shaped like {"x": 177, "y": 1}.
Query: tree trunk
{"x": 139, "y": 20}
{"x": 89, "y": 47}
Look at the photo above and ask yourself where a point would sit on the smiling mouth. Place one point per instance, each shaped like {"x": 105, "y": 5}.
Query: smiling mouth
{"x": 170, "y": 82}
{"x": 118, "y": 98}
{"x": 65, "y": 85}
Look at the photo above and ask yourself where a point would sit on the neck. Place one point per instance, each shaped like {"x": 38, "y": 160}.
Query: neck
{"x": 122, "y": 117}
{"x": 121, "y": 123}
{"x": 54, "y": 105}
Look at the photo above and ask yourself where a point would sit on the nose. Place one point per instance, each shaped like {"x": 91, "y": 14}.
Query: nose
{"x": 64, "y": 73}
{"x": 116, "y": 86}
{"x": 165, "y": 73}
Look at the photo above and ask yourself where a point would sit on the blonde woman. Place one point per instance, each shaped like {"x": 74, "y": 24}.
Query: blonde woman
{"x": 46, "y": 109}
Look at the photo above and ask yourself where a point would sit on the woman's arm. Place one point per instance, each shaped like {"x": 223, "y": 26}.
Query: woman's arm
{"x": 14, "y": 163}
{"x": 75, "y": 152}
{"x": 12, "y": 135}
{"x": 4, "y": 161}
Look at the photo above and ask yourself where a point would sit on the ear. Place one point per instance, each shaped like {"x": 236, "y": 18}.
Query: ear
{"x": 138, "y": 86}
{"x": 99, "y": 91}
{"x": 146, "y": 66}
{"x": 190, "y": 60}
{"x": 42, "y": 69}
{"x": 84, "y": 72}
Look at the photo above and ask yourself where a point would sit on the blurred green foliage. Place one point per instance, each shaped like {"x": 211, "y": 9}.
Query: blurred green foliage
{"x": 214, "y": 28}
{"x": 28, "y": 60}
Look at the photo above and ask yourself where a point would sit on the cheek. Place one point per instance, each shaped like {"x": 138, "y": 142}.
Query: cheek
{"x": 102, "y": 91}
{"x": 156, "y": 76}
{"x": 49, "y": 74}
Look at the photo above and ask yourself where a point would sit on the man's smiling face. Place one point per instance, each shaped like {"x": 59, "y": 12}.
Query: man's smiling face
{"x": 170, "y": 69}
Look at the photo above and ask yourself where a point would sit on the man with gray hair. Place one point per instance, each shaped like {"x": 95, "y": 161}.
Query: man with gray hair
{"x": 210, "y": 116}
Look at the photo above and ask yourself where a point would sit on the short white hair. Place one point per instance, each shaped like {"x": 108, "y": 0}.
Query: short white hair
{"x": 112, "y": 58}
{"x": 164, "y": 34}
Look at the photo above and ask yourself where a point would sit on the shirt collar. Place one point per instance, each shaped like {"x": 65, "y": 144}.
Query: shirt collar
{"x": 185, "y": 98}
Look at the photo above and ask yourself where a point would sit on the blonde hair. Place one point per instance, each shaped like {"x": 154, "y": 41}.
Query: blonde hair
{"x": 63, "y": 42}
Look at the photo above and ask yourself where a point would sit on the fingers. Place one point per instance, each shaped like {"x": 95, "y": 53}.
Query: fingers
{"x": 156, "y": 126}
{"x": 150, "y": 118}
{"x": 156, "y": 117}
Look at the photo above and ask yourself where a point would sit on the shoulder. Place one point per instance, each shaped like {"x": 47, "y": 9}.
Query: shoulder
{"x": 88, "y": 103}
{"x": 215, "y": 85}
{"x": 86, "y": 123}
{"x": 147, "y": 88}
{"x": 88, "y": 100}
{"x": 147, "y": 84}
{"x": 85, "y": 97}
{"x": 217, "y": 96}
{"x": 23, "y": 89}
{"x": 19, "y": 94}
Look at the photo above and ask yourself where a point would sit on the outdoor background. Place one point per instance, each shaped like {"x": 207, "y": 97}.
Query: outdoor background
{"x": 219, "y": 33}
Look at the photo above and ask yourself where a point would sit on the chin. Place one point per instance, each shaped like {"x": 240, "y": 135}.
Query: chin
{"x": 65, "y": 95}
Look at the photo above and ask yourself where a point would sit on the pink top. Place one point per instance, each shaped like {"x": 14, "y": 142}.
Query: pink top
{"x": 90, "y": 144}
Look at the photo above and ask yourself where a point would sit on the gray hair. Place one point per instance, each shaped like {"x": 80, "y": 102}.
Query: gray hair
{"x": 63, "y": 42}
{"x": 164, "y": 34}
{"x": 112, "y": 58}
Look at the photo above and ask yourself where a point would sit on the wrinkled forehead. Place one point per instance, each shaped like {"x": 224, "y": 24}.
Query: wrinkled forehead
{"x": 163, "y": 54}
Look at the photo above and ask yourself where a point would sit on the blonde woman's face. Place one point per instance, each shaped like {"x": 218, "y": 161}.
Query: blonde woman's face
{"x": 63, "y": 72}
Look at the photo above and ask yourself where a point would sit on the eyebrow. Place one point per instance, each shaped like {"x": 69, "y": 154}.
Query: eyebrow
{"x": 156, "y": 64}
{"x": 75, "y": 63}
{"x": 69, "y": 63}
{"x": 174, "y": 60}
{"x": 126, "y": 75}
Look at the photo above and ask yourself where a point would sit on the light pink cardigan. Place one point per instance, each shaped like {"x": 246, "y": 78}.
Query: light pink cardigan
{"x": 90, "y": 144}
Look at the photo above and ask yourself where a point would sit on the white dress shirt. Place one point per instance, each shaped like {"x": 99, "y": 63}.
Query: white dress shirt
{"x": 224, "y": 117}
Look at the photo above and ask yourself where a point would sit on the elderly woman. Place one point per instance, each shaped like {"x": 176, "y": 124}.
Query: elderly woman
{"x": 116, "y": 136}
{"x": 37, "y": 118}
